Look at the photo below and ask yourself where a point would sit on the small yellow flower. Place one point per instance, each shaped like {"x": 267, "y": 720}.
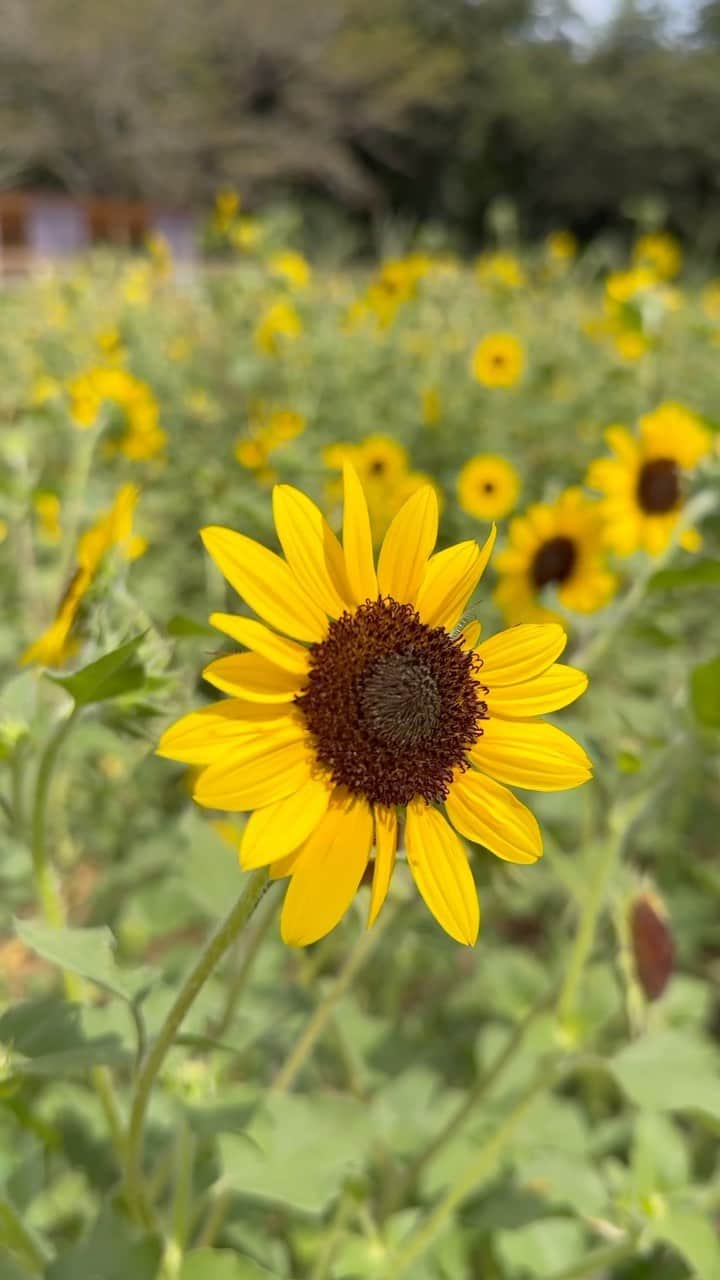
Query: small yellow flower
{"x": 374, "y": 714}
{"x": 4, "y": 529}
{"x": 110, "y": 343}
{"x": 626, "y": 286}
{"x": 501, "y": 270}
{"x": 498, "y": 360}
{"x": 643, "y": 482}
{"x": 227, "y": 206}
{"x": 631, "y": 344}
{"x": 711, "y": 301}
{"x": 488, "y": 487}
{"x": 111, "y": 531}
{"x": 279, "y": 324}
{"x": 44, "y": 388}
{"x": 556, "y": 546}
{"x": 292, "y": 266}
{"x": 47, "y": 509}
{"x": 561, "y": 246}
{"x": 659, "y": 251}
{"x": 141, "y": 438}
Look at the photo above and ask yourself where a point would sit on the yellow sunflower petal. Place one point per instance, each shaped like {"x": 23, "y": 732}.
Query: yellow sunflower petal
{"x": 407, "y": 545}
{"x": 520, "y": 652}
{"x": 266, "y": 582}
{"x": 272, "y": 771}
{"x": 249, "y": 675}
{"x": 253, "y": 635}
{"x": 441, "y": 871}
{"x": 528, "y": 753}
{"x": 328, "y": 872}
{"x": 558, "y": 687}
{"x": 279, "y": 829}
{"x": 449, "y": 580}
{"x": 470, "y": 634}
{"x": 357, "y": 539}
{"x": 202, "y": 735}
{"x": 490, "y": 815}
{"x": 385, "y": 851}
{"x": 284, "y": 866}
{"x": 311, "y": 549}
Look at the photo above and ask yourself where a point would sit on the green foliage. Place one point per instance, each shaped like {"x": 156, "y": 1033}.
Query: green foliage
{"x": 450, "y": 1112}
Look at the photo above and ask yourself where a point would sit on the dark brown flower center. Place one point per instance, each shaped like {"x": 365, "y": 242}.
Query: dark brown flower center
{"x": 393, "y": 706}
{"x": 554, "y": 561}
{"x": 488, "y": 487}
{"x": 658, "y": 486}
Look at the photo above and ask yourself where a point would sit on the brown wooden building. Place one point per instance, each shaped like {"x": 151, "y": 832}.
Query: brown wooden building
{"x": 37, "y": 227}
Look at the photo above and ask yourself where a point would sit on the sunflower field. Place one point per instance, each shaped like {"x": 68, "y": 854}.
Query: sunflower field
{"x": 454, "y": 605}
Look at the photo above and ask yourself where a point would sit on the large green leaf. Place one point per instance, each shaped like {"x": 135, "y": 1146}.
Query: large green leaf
{"x": 692, "y": 1234}
{"x": 297, "y": 1150}
{"x": 109, "y": 677}
{"x": 88, "y": 952}
{"x": 222, "y": 1264}
{"x": 670, "y": 1071}
{"x": 705, "y": 693}
{"x": 111, "y": 1252}
{"x": 542, "y": 1248}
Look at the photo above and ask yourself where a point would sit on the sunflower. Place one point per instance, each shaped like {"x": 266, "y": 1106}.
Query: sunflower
{"x": 488, "y": 487}
{"x": 644, "y": 481}
{"x": 498, "y": 360}
{"x": 112, "y": 530}
{"x": 359, "y": 711}
{"x": 556, "y": 545}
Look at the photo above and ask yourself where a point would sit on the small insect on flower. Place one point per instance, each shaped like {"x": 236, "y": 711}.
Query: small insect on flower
{"x": 357, "y": 707}
{"x": 653, "y": 947}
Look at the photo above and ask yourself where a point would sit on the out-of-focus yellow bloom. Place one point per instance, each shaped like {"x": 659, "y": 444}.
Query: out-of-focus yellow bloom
{"x": 394, "y": 284}
{"x": 245, "y": 233}
{"x": 500, "y": 270}
{"x": 659, "y": 251}
{"x": 268, "y": 429}
{"x": 561, "y": 246}
{"x": 227, "y": 207}
{"x": 142, "y": 437}
{"x": 111, "y": 531}
{"x": 488, "y": 487}
{"x": 160, "y": 253}
{"x": 110, "y": 343}
{"x": 556, "y": 546}
{"x": 431, "y": 403}
{"x": 137, "y": 284}
{"x": 643, "y": 482}
{"x": 498, "y": 360}
{"x": 47, "y": 509}
{"x": 291, "y": 266}
{"x": 278, "y": 325}
{"x": 383, "y": 466}
{"x": 4, "y": 529}
{"x": 44, "y": 388}
{"x": 631, "y": 344}
{"x": 626, "y": 286}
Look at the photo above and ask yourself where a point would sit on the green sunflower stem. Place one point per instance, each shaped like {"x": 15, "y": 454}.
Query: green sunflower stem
{"x": 18, "y": 1236}
{"x": 400, "y": 1190}
{"x": 53, "y": 911}
{"x": 213, "y": 951}
{"x": 471, "y": 1177}
{"x": 304, "y": 1046}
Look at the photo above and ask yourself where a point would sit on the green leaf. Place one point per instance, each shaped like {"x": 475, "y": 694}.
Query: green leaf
{"x": 705, "y": 693}
{"x": 669, "y": 1071}
{"x": 222, "y": 1264}
{"x": 109, "y": 677}
{"x": 703, "y": 573}
{"x": 541, "y": 1248}
{"x": 660, "y": 1157}
{"x": 691, "y": 1233}
{"x": 110, "y": 1253}
{"x": 88, "y": 952}
{"x": 297, "y": 1150}
{"x": 181, "y": 626}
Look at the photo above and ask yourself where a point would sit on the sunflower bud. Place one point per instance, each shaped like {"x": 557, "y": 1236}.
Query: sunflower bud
{"x": 652, "y": 944}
